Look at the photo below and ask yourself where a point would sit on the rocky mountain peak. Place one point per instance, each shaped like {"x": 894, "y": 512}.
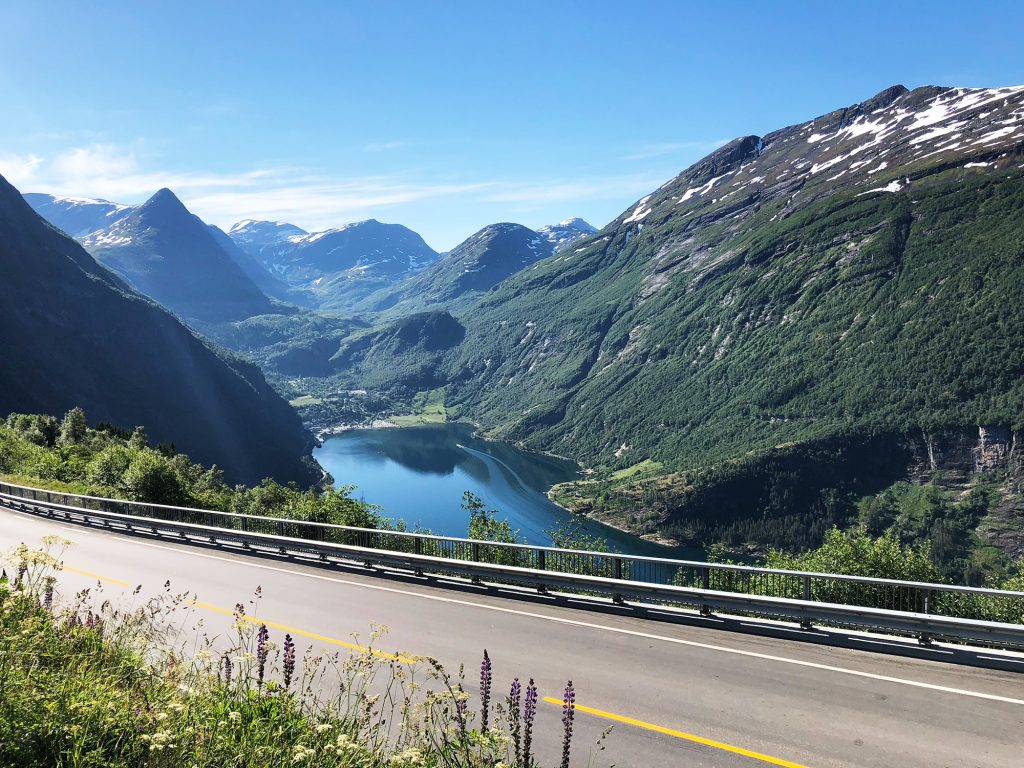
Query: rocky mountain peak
{"x": 163, "y": 203}
{"x": 880, "y": 145}
{"x": 566, "y": 231}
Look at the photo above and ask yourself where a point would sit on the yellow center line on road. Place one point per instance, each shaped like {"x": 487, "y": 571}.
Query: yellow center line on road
{"x": 311, "y": 635}
{"x": 95, "y": 576}
{"x": 680, "y": 735}
{"x": 255, "y": 620}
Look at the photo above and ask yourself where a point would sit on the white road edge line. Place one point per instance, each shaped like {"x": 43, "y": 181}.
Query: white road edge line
{"x": 590, "y": 625}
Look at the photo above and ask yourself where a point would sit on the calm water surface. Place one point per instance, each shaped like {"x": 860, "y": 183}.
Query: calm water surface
{"x": 419, "y": 474}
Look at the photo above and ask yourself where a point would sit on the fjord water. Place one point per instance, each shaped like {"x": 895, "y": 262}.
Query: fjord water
{"x": 418, "y": 474}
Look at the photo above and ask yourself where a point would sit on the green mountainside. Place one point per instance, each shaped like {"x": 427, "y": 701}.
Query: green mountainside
{"x": 473, "y": 267}
{"x": 793, "y": 318}
{"x": 73, "y": 334}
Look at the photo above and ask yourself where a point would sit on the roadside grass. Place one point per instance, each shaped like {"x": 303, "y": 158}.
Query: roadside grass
{"x": 89, "y": 684}
{"x": 45, "y": 484}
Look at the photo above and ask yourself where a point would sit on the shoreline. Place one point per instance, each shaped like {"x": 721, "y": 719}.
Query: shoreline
{"x": 325, "y": 432}
{"x": 651, "y": 538}
{"x": 384, "y": 423}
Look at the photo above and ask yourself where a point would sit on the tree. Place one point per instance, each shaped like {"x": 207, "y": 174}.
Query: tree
{"x": 337, "y": 507}
{"x": 484, "y": 524}
{"x": 108, "y": 467}
{"x": 151, "y": 477}
{"x": 572, "y": 534}
{"x": 139, "y": 439}
{"x": 74, "y": 427}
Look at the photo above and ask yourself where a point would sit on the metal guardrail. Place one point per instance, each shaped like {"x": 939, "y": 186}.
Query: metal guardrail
{"x": 918, "y": 608}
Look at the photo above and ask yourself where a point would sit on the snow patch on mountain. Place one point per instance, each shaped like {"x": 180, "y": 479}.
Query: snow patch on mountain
{"x": 565, "y": 232}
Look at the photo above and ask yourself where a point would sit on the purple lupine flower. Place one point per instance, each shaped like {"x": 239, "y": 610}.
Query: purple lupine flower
{"x": 226, "y": 663}
{"x": 239, "y": 609}
{"x": 262, "y": 640}
{"x": 22, "y": 573}
{"x": 515, "y": 696}
{"x": 529, "y": 713}
{"x": 568, "y": 713}
{"x": 48, "y": 594}
{"x": 485, "y": 690}
{"x": 289, "y": 660}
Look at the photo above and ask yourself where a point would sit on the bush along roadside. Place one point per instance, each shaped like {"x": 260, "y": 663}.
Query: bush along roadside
{"x": 86, "y": 683}
{"x": 70, "y": 456}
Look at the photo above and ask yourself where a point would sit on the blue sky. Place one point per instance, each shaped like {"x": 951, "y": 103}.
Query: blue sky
{"x": 444, "y": 116}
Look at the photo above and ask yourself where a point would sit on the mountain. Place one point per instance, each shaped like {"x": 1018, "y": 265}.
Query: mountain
{"x": 270, "y": 284}
{"x": 474, "y": 266}
{"x": 78, "y": 216}
{"x": 338, "y": 265}
{"x": 566, "y": 232}
{"x": 72, "y": 333}
{"x": 171, "y": 256}
{"x": 265, "y": 241}
{"x": 793, "y": 319}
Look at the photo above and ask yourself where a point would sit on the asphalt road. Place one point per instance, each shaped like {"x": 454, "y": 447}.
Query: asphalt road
{"x": 678, "y": 694}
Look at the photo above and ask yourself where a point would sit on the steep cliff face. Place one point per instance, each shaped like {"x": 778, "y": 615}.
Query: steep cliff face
{"x": 997, "y": 454}
{"x": 957, "y": 458}
{"x": 995, "y": 444}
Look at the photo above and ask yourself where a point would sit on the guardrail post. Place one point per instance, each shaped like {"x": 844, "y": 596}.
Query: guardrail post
{"x": 618, "y": 567}
{"x": 280, "y": 528}
{"x": 418, "y": 549}
{"x": 806, "y": 623}
{"x": 705, "y": 583}
{"x": 925, "y": 638}
{"x": 476, "y": 559}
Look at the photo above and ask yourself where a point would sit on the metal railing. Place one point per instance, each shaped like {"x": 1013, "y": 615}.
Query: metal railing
{"x": 803, "y": 592}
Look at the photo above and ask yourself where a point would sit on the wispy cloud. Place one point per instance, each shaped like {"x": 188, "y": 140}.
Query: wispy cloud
{"x": 109, "y": 171}
{"x": 648, "y": 151}
{"x": 19, "y": 170}
{"x": 308, "y": 198}
{"x": 313, "y": 204}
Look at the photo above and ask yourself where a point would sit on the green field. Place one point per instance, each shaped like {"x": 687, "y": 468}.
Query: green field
{"x": 427, "y": 408}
